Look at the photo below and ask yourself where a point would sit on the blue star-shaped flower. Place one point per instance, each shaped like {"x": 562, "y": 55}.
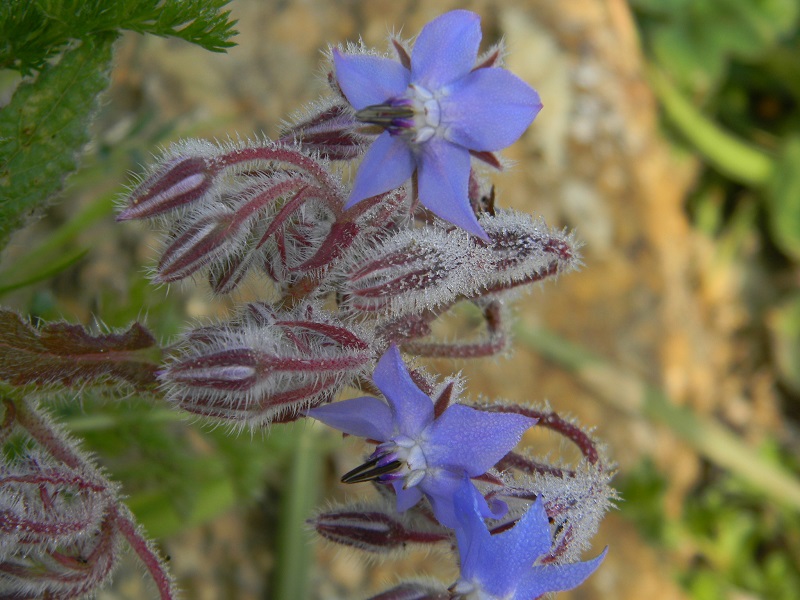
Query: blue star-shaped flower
{"x": 501, "y": 567}
{"x": 420, "y": 454}
{"x": 433, "y": 114}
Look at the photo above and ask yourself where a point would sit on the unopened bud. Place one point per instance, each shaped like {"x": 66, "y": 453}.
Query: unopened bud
{"x": 373, "y": 530}
{"x": 266, "y": 365}
{"x": 179, "y": 182}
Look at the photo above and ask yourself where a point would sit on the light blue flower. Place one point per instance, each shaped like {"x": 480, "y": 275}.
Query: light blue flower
{"x": 434, "y": 114}
{"x": 421, "y": 454}
{"x": 501, "y": 566}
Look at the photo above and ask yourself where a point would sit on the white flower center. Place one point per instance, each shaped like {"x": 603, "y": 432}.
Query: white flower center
{"x": 415, "y": 466}
{"x": 427, "y": 113}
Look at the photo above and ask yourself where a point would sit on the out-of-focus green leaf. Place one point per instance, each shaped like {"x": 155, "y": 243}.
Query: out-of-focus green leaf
{"x": 784, "y": 325}
{"x": 695, "y": 40}
{"x": 783, "y": 199}
{"x": 733, "y": 157}
{"x": 45, "y": 127}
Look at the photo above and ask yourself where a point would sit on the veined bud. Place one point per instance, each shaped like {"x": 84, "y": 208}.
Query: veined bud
{"x": 522, "y": 251}
{"x": 428, "y": 268}
{"x": 414, "y": 590}
{"x": 186, "y": 175}
{"x": 266, "y": 365}
{"x": 375, "y": 529}
{"x": 575, "y": 504}
{"x": 202, "y": 241}
{"x": 410, "y": 271}
{"x": 330, "y": 130}
{"x": 43, "y": 507}
{"x": 73, "y": 570}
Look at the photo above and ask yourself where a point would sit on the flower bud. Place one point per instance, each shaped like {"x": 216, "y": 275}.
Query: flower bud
{"x": 266, "y": 365}
{"x": 178, "y": 182}
{"x": 373, "y": 529}
{"x": 331, "y": 132}
{"x": 46, "y": 507}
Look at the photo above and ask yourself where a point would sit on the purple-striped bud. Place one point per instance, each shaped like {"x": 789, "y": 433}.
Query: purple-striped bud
{"x": 375, "y": 530}
{"x": 414, "y": 590}
{"x": 410, "y": 271}
{"x": 176, "y": 183}
{"x": 44, "y": 507}
{"x": 204, "y": 240}
{"x": 266, "y": 365}
{"x": 424, "y": 269}
{"x": 74, "y": 570}
{"x": 331, "y": 131}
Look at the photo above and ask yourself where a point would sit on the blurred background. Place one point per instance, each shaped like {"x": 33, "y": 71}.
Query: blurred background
{"x": 668, "y": 142}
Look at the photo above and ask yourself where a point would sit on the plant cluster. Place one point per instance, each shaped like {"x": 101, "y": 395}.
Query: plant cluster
{"x": 357, "y": 275}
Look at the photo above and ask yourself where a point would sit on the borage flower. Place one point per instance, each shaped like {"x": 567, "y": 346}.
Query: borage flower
{"x": 434, "y": 114}
{"x": 501, "y": 566}
{"x": 420, "y": 454}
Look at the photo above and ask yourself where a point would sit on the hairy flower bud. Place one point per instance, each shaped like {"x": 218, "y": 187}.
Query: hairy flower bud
{"x": 47, "y": 506}
{"x": 425, "y": 269}
{"x": 329, "y": 130}
{"x": 375, "y": 529}
{"x": 74, "y": 570}
{"x": 265, "y": 365}
{"x": 185, "y": 176}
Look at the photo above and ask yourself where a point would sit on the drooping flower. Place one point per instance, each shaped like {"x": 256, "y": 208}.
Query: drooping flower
{"x": 433, "y": 114}
{"x": 501, "y": 566}
{"x": 420, "y": 454}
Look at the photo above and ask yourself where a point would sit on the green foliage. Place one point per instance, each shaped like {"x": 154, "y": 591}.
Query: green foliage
{"x": 695, "y": 40}
{"x": 68, "y": 43}
{"x": 783, "y": 199}
{"x": 48, "y": 119}
{"x": 34, "y": 31}
{"x": 739, "y": 544}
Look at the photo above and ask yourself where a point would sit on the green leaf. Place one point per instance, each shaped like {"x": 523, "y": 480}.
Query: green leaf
{"x": 48, "y": 120}
{"x": 784, "y": 328}
{"x": 60, "y": 353}
{"x": 783, "y": 199}
{"x": 33, "y": 31}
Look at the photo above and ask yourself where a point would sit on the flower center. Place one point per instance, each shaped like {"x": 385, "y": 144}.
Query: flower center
{"x": 399, "y": 458}
{"x": 416, "y": 115}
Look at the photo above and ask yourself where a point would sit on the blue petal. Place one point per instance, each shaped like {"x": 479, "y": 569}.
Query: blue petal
{"x": 367, "y": 80}
{"x": 387, "y": 164}
{"x": 529, "y": 539}
{"x": 443, "y": 180}
{"x": 473, "y": 440}
{"x": 412, "y": 410}
{"x": 441, "y": 485}
{"x": 556, "y": 578}
{"x": 446, "y": 49}
{"x": 472, "y": 536}
{"x": 489, "y": 109}
{"x": 406, "y": 498}
{"x": 365, "y": 417}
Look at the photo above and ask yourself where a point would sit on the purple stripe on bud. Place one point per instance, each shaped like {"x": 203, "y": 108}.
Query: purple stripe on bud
{"x": 265, "y": 365}
{"x": 196, "y": 247}
{"x": 372, "y": 530}
{"x": 332, "y": 133}
{"x": 180, "y": 182}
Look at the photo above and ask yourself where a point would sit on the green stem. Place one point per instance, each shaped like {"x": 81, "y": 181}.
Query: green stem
{"x": 735, "y": 158}
{"x": 299, "y": 497}
{"x": 626, "y": 392}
